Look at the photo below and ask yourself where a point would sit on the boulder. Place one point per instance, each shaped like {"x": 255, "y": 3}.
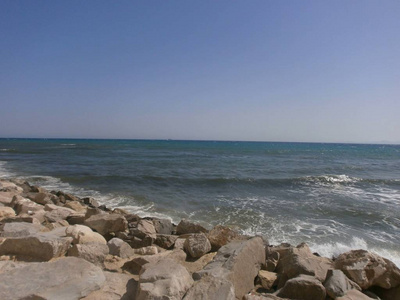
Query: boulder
{"x": 56, "y": 213}
{"x": 163, "y": 226}
{"x": 6, "y": 212}
{"x": 165, "y": 279}
{"x": 145, "y": 228}
{"x": 63, "y": 279}
{"x": 272, "y": 260}
{"x": 82, "y": 234}
{"x": 92, "y": 211}
{"x": 231, "y": 272}
{"x": 94, "y": 253}
{"x": 300, "y": 260}
{"x": 262, "y": 297}
{"x": 149, "y": 250}
{"x": 120, "y": 248}
{"x": 356, "y": 295}
{"x": 337, "y": 284}
{"x": 268, "y": 279}
{"x": 44, "y": 198}
{"x": 304, "y": 287}
{"x": 20, "y": 229}
{"x": 76, "y": 206}
{"x": 58, "y": 224}
{"x": 22, "y": 205}
{"x": 8, "y": 186}
{"x": 107, "y": 223}
{"x": 222, "y": 235}
{"x": 38, "y": 189}
{"x": 165, "y": 241}
{"x": 6, "y": 198}
{"x": 197, "y": 245}
{"x": 384, "y": 294}
{"x": 76, "y": 218}
{"x": 368, "y": 269}
{"x": 117, "y": 286}
{"x": 186, "y": 226}
{"x": 90, "y": 202}
{"x": 41, "y": 246}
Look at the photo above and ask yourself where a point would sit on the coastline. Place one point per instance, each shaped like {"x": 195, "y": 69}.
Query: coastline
{"x": 123, "y": 247}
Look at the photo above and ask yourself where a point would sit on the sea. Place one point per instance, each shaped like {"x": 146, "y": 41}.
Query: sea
{"x": 334, "y": 197}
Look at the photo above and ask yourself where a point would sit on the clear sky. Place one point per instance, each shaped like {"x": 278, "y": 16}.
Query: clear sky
{"x": 317, "y": 71}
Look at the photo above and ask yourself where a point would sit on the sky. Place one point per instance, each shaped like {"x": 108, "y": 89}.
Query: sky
{"x": 300, "y": 71}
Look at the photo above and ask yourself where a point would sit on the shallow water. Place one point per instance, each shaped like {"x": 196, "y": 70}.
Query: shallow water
{"x": 335, "y": 197}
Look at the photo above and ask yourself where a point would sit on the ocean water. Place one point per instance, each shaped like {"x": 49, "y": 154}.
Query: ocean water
{"x": 335, "y": 197}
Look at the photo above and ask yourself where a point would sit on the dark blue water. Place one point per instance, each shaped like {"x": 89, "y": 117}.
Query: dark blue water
{"x": 335, "y": 197}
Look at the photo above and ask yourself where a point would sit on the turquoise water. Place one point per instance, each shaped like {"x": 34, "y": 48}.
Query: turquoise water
{"x": 335, "y": 197}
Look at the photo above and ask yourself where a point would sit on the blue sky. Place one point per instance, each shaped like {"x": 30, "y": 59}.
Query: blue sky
{"x": 317, "y": 71}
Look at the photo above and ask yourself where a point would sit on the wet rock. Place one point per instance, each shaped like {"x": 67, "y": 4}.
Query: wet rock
{"x": 66, "y": 278}
{"x": 82, "y": 234}
{"x": 268, "y": 279}
{"x": 272, "y": 260}
{"x": 234, "y": 268}
{"x": 304, "y": 287}
{"x": 186, "y": 226}
{"x": 120, "y": 248}
{"x": 94, "y": 253}
{"x": 90, "y": 202}
{"x": 337, "y": 284}
{"x": 368, "y": 269}
{"x": 165, "y": 241}
{"x": 197, "y": 245}
{"x": 222, "y": 235}
{"x": 165, "y": 279}
{"x": 106, "y": 223}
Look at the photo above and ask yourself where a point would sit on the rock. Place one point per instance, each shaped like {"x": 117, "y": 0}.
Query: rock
{"x": 90, "y": 202}
{"x": 165, "y": 241}
{"x": 76, "y": 218}
{"x": 262, "y": 297}
{"x": 196, "y": 265}
{"x": 106, "y": 223}
{"x": 231, "y": 272}
{"x": 8, "y": 265}
{"x": 41, "y": 246}
{"x": 21, "y": 219}
{"x": 76, "y": 206}
{"x": 136, "y": 243}
{"x": 149, "y": 250}
{"x": 82, "y": 234}
{"x": 94, "y": 253}
{"x": 268, "y": 279}
{"x": 304, "y": 287}
{"x": 6, "y": 212}
{"x": 92, "y": 211}
{"x": 221, "y": 235}
{"x": 356, "y": 295}
{"x": 58, "y": 224}
{"x": 120, "y": 248}
{"x": 337, "y": 284}
{"x": 163, "y": 226}
{"x": 186, "y": 226}
{"x": 44, "y": 198}
{"x": 197, "y": 245}
{"x": 272, "y": 260}
{"x": 63, "y": 279}
{"x": 38, "y": 189}
{"x": 384, "y": 294}
{"x": 165, "y": 279}
{"x": 145, "y": 228}
{"x": 8, "y": 186}
{"x": 22, "y": 205}
{"x": 6, "y": 198}
{"x": 368, "y": 269}
{"x": 300, "y": 260}
{"x": 56, "y": 213}
{"x": 20, "y": 229}
{"x": 116, "y": 287}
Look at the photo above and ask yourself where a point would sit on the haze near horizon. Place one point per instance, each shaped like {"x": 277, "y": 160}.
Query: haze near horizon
{"x": 306, "y": 71}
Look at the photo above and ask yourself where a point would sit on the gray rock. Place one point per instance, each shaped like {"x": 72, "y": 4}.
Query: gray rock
{"x": 20, "y": 229}
{"x": 65, "y": 279}
{"x": 120, "y": 248}
{"x": 165, "y": 241}
{"x": 163, "y": 226}
{"x": 186, "y": 226}
{"x": 197, "y": 245}
{"x": 107, "y": 223}
{"x": 368, "y": 269}
{"x": 165, "y": 279}
{"x": 235, "y": 267}
{"x": 337, "y": 284}
{"x": 40, "y": 246}
{"x": 94, "y": 253}
{"x": 304, "y": 287}
{"x": 117, "y": 286}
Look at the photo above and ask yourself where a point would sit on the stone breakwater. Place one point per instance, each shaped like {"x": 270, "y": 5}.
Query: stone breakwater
{"x": 54, "y": 245}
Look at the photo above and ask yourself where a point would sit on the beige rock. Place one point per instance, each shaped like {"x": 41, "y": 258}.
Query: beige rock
{"x": 165, "y": 279}
{"x": 304, "y": 287}
{"x": 120, "y": 248}
{"x": 6, "y": 198}
{"x": 6, "y": 212}
{"x": 163, "y": 226}
{"x": 20, "y": 229}
{"x": 82, "y": 234}
{"x": 368, "y": 269}
{"x": 222, "y": 235}
{"x": 145, "y": 228}
{"x": 106, "y": 223}
{"x": 8, "y": 186}
{"x": 272, "y": 260}
{"x": 63, "y": 279}
{"x": 268, "y": 279}
{"x": 149, "y": 250}
{"x": 186, "y": 226}
{"x": 76, "y": 206}
{"x": 22, "y": 205}
{"x": 165, "y": 241}
{"x": 356, "y": 295}
{"x": 197, "y": 245}
{"x": 337, "y": 284}
{"x": 58, "y": 224}
{"x": 94, "y": 253}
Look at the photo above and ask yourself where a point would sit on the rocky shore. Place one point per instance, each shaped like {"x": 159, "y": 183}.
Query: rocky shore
{"x": 54, "y": 245}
